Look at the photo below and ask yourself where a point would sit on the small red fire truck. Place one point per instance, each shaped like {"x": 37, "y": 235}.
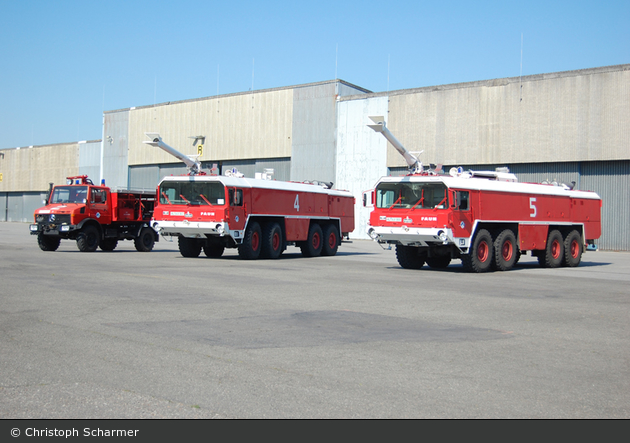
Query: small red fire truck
{"x": 485, "y": 218}
{"x": 94, "y": 216}
{"x": 258, "y": 216}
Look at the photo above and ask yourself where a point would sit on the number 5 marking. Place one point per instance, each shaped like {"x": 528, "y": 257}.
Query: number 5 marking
{"x": 532, "y": 206}
{"x": 296, "y": 204}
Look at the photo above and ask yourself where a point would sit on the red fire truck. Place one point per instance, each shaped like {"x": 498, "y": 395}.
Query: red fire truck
{"x": 94, "y": 216}
{"x": 260, "y": 216}
{"x": 485, "y": 218}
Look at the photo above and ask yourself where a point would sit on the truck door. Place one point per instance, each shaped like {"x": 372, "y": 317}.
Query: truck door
{"x": 100, "y": 205}
{"x": 237, "y": 215}
{"x": 461, "y": 213}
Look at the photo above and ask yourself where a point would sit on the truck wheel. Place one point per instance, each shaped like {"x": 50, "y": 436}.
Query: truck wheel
{"x": 553, "y": 255}
{"x": 408, "y": 257}
{"x": 145, "y": 241}
{"x": 188, "y": 247}
{"x": 312, "y": 247}
{"x": 88, "y": 239}
{"x": 108, "y": 244}
{"x": 251, "y": 246}
{"x": 272, "y": 241}
{"x": 572, "y": 249}
{"x": 47, "y": 242}
{"x": 505, "y": 250}
{"x": 213, "y": 250}
{"x": 439, "y": 262}
{"x": 331, "y": 240}
{"x": 479, "y": 257}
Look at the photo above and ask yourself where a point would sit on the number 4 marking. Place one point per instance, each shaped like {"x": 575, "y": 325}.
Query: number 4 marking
{"x": 532, "y": 206}
{"x": 296, "y": 204}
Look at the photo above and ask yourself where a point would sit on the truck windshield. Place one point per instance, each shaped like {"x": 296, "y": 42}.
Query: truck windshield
{"x": 412, "y": 195}
{"x": 69, "y": 194}
{"x": 192, "y": 193}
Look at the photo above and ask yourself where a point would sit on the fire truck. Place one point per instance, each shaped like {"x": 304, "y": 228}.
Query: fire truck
{"x": 94, "y": 216}
{"x": 258, "y": 216}
{"x": 485, "y": 218}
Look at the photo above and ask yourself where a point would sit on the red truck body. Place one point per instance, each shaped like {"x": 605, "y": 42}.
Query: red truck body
{"x": 94, "y": 216}
{"x": 259, "y": 217}
{"x": 485, "y": 221}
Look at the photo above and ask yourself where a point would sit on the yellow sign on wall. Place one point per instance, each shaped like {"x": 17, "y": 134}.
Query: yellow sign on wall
{"x": 0, "y": 176}
{"x": 200, "y": 149}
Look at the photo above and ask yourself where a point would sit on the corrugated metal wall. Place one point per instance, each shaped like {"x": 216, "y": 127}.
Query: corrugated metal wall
{"x": 19, "y": 207}
{"x": 611, "y": 180}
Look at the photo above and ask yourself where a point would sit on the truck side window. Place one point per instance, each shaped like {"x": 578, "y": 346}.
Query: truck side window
{"x": 462, "y": 198}
{"x": 98, "y": 196}
{"x": 236, "y": 199}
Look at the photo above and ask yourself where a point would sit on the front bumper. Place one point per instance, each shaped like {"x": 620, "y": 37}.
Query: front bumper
{"x": 421, "y": 237}
{"x": 193, "y": 229}
{"x": 61, "y": 230}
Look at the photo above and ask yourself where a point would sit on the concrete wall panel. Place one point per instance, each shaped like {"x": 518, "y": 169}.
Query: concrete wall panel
{"x": 31, "y": 169}
{"x": 572, "y": 116}
{"x": 115, "y": 149}
{"x": 238, "y": 126}
{"x": 361, "y": 154}
{"x": 314, "y": 136}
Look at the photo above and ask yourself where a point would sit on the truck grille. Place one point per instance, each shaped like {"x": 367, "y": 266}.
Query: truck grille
{"x": 53, "y": 218}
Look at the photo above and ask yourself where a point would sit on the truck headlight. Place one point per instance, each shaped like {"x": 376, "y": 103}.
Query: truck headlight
{"x": 372, "y": 233}
{"x": 65, "y": 228}
{"x": 443, "y": 236}
{"x": 220, "y": 229}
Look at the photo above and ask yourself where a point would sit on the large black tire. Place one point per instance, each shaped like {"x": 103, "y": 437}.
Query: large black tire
{"x": 88, "y": 239}
{"x": 213, "y": 250}
{"x": 312, "y": 247}
{"x": 108, "y": 244}
{"x": 145, "y": 241}
{"x": 408, "y": 257}
{"x": 480, "y": 256}
{"x": 554, "y": 252}
{"x": 252, "y": 243}
{"x": 189, "y": 247}
{"x": 48, "y": 242}
{"x": 572, "y": 249}
{"x": 331, "y": 240}
{"x": 272, "y": 241}
{"x": 505, "y": 250}
{"x": 439, "y": 262}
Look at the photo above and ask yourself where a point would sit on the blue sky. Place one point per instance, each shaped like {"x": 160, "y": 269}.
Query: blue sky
{"x": 64, "y": 62}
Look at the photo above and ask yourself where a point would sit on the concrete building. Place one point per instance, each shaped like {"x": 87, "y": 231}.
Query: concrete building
{"x": 567, "y": 126}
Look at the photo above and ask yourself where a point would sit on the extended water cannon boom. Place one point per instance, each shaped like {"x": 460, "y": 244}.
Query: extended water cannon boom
{"x": 191, "y": 162}
{"x": 415, "y": 165}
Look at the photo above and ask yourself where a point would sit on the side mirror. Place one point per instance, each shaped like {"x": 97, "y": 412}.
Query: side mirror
{"x": 368, "y": 199}
{"x": 456, "y": 200}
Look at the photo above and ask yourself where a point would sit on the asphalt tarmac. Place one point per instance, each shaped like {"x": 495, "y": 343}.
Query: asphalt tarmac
{"x": 130, "y": 335}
